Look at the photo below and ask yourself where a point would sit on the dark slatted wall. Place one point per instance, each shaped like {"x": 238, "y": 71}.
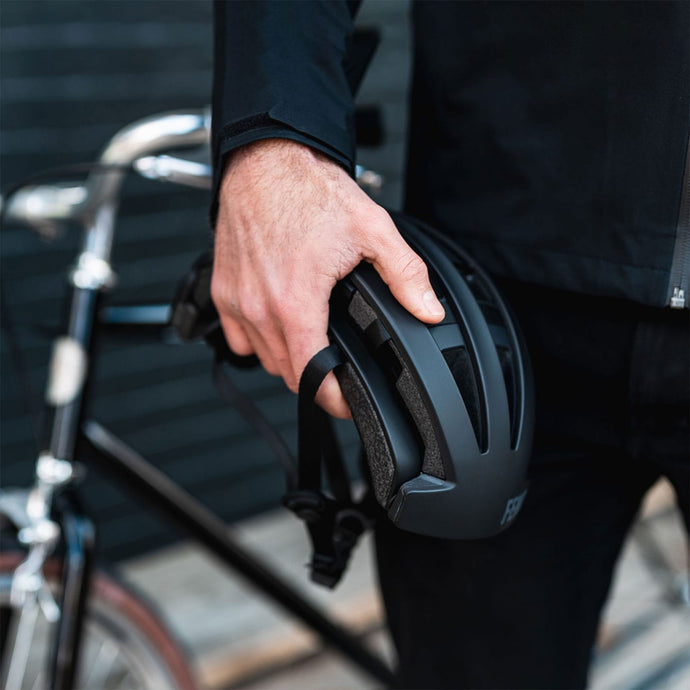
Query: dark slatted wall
{"x": 73, "y": 73}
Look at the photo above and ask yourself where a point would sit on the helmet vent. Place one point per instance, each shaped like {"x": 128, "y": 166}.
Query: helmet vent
{"x": 498, "y": 328}
{"x": 505, "y": 357}
{"x": 407, "y": 388}
{"x": 460, "y": 364}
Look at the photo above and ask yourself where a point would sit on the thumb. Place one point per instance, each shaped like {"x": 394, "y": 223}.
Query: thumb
{"x": 407, "y": 277}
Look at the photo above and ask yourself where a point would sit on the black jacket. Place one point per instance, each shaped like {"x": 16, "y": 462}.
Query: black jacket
{"x": 550, "y": 138}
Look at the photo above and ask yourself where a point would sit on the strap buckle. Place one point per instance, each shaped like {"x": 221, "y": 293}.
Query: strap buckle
{"x": 334, "y": 532}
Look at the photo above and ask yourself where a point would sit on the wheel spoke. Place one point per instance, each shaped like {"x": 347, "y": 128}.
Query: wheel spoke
{"x": 25, "y": 626}
{"x": 40, "y": 682}
{"x": 101, "y": 665}
{"x": 118, "y": 650}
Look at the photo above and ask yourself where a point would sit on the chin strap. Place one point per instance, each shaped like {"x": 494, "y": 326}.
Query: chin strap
{"x": 334, "y": 524}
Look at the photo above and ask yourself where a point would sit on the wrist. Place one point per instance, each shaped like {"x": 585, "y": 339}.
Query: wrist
{"x": 274, "y": 153}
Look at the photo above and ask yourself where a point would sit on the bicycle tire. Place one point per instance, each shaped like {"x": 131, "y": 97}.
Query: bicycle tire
{"x": 120, "y": 629}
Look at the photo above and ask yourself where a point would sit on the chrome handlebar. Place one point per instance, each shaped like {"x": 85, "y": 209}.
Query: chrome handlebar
{"x": 142, "y": 138}
{"x": 177, "y": 170}
{"x": 94, "y": 203}
{"x": 161, "y": 132}
{"x": 43, "y": 207}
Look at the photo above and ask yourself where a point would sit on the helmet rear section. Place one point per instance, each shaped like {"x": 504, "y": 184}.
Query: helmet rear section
{"x": 445, "y": 411}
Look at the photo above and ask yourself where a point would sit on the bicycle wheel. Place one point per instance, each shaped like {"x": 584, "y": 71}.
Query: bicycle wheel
{"x": 124, "y": 643}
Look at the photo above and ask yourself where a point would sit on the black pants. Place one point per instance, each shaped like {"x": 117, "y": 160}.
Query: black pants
{"x": 520, "y": 610}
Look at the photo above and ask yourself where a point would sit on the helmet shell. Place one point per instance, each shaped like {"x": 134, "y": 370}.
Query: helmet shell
{"x": 445, "y": 411}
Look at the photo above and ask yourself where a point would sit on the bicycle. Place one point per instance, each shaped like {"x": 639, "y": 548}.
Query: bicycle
{"x": 64, "y": 624}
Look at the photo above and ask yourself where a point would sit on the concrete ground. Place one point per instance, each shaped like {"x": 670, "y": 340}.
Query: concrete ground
{"x": 237, "y": 639}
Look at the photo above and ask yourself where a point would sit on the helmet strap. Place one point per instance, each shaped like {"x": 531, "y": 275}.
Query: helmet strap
{"x": 334, "y": 524}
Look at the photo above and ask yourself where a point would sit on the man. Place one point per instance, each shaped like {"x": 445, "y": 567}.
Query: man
{"x": 551, "y": 140}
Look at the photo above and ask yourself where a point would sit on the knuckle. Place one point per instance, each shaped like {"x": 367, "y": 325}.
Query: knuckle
{"x": 225, "y": 298}
{"x": 296, "y": 313}
{"x": 377, "y": 223}
{"x": 378, "y": 216}
{"x": 410, "y": 267}
{"x": 220, "y": 295}
{"x": 283, "y": 307}
{"x": 252, "y": 308}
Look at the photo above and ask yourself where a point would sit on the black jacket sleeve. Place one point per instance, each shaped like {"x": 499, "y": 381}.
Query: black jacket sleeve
{"x": 280, "y": 70}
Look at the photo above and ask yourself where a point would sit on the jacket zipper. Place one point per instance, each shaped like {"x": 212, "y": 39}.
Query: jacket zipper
{"x": 680, "y": 266}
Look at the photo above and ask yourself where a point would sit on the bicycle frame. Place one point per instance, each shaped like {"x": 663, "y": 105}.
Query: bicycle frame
{"x": 72, "y": 438}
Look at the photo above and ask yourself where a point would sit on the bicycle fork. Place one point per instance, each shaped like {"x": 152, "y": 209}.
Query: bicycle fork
{"x": 31, "y": 597}
{"x": 70, "y": 367}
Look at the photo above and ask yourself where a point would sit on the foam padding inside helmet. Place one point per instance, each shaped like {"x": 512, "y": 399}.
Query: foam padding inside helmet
{"x": 377, "y": 450}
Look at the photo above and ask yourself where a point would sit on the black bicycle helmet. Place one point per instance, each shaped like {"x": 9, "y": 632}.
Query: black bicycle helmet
{"x": 445, "y": 411}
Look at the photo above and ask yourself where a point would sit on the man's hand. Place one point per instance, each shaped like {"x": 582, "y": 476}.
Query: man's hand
{"x": 291, "y": 223}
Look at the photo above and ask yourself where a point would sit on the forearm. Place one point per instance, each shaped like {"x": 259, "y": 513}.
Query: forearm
{"x": 280, "y": 72}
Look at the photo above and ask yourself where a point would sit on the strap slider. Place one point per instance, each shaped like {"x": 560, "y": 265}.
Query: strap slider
{"x": 309, "y": 506}
{"x": 350, "y": 524}
{"x": 328, "y": 566}
{"x": 326, "y": 570}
